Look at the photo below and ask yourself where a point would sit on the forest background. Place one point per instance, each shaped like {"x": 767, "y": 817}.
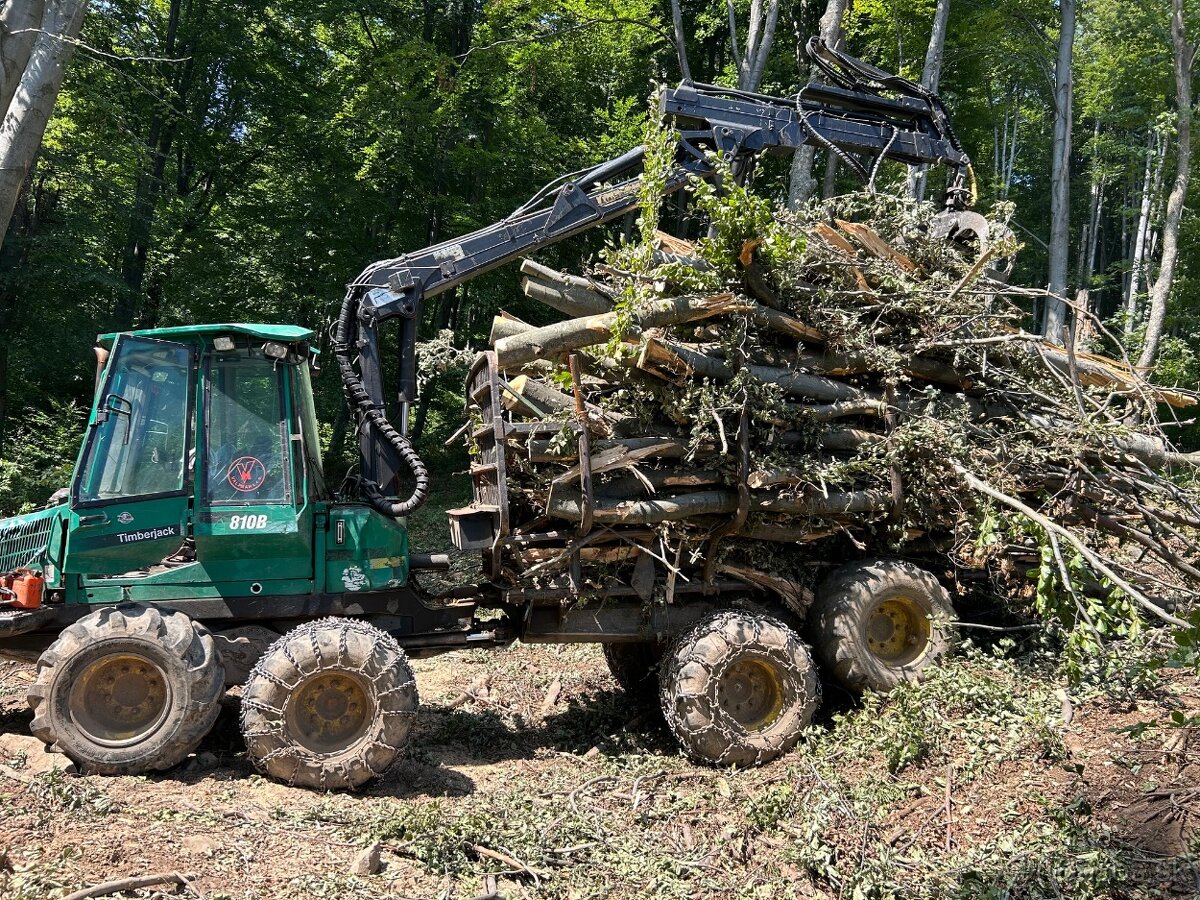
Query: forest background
{"x": 242, "y": 160}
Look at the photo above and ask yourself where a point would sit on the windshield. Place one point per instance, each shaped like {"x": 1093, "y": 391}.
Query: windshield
{"x": 138, "y": 443}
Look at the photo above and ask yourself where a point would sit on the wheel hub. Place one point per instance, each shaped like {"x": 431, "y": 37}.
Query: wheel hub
{"x": 329, "y": 711}
{"x": 120, "y": 699}
{"x": 750, "y": 691}
{"x": 898, "y": 631}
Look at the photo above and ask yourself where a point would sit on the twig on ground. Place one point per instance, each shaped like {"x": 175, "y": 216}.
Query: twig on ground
{"x": 514, "y": 864}
{"x": 478, "y": 691}
{"x": 121, "y": 885}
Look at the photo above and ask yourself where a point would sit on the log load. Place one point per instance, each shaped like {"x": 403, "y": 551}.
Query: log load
{"x": 793, "y": 389}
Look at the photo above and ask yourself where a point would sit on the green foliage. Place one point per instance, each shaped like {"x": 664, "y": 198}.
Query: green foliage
{"x": 40, "y": 457}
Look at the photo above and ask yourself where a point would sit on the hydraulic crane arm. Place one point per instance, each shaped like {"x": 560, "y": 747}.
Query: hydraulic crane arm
{"x": 849, "y": 116}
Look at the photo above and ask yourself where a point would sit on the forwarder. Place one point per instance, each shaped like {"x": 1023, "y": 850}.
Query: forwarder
{"x": 200, "y": 547}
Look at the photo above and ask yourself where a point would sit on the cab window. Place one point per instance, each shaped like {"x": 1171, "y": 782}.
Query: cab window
{"x": 246, "y": 449}
{"x": 137, "y": 446}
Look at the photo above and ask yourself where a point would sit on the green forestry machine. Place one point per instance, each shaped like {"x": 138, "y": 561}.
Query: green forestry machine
{"x": 199, "y": 546}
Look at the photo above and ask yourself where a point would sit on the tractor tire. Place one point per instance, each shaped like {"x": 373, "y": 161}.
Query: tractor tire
{"x": 738, "y": 689}
{"x": 635, "y": 668}
{"x": 881, "y": 622}
{"x": 329, "y": 706}
{"x": 128, "y": 689}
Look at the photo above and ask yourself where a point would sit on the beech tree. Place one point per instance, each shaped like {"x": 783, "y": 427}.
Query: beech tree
{"x": 36, "y": 41}
{"x": 1184, "y": 57}
{"x": 1060, "y": 176}
{"x": 930, "y": 77}
{"x": 802, "y": 184}
{"x": 752, "y": 62}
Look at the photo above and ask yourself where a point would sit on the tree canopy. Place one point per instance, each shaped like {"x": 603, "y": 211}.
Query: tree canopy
{"x": 242, "y": 161}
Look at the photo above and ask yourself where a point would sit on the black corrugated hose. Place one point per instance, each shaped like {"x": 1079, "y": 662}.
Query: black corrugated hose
{"x": 365, "y": 410}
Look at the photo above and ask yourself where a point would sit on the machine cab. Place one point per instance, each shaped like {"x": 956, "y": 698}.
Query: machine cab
{"x": 199, "y": 438}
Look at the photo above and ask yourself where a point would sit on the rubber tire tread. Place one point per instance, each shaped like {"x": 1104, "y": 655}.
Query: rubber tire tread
{"x": 634, "y": 666}
{"x": 184, "y": 650}
{"x": 846, "y": 598}
{"x": 689, "y": 677}
{"x": 326, "y": 645}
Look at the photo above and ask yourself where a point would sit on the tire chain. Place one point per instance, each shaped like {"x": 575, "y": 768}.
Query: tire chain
{"x": 346, "y": 774}
{"x": 738, "y": 747}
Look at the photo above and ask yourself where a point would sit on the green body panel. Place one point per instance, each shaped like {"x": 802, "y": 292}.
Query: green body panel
{"x": 260, "y": 543}
{"x": 365, "y": 551}
{"x": 124, "y": 535}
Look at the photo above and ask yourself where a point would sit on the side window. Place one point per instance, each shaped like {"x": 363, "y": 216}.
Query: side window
{"x": 138, "y": 443}
{"x": 246, "y": 454}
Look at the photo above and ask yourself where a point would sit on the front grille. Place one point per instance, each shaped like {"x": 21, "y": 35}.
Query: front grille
{"x": 23, "y": 541}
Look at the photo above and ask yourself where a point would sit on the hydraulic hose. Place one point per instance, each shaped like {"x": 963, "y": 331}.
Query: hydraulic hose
{"x": 366, "y": 411}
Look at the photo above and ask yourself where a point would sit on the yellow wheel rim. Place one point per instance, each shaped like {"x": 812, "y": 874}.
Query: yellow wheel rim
{"x": 329, "y": 711}
{"x": 750, "y": 691}
{"x": 119, "y": 699}
{"x": 898, "y": 631}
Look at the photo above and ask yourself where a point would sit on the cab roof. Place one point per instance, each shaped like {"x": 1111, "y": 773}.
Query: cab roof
{"x": 283, "y": 333}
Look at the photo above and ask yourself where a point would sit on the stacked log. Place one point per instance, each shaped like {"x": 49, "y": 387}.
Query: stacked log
{"x": 760, "y": 401}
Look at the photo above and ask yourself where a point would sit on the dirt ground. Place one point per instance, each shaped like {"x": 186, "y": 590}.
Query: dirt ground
{"x": 990, "y": 781}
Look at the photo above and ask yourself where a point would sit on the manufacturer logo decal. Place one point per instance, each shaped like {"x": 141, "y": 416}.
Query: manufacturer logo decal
{"x": 353, "y": 578}
{"x": 152, "y": 534}
{"x": 125, "y": 518}
{"x": 246, "y": 473}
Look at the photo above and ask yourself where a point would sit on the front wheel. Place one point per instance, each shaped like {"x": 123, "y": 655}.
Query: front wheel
{"x": 329, "y": 705}
{"x": 738, "y": 689}
{"x": 128, "y": 690}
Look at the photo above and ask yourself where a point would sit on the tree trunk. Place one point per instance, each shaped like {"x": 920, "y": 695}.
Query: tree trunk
{"x": 802, "y": 185}
{"x": 1087, "y": 253}
{"x": 1060, "y": 178}
{"x": 760, "y": 35}
{"x": 685, "y": 71}
{"x": 1160, "y": 293}
{"x": 19, "y": 23}
{"x": 1137, "y": 256}
{"x": 33, "y": 98}
{"x": 148, "y": 190}
{"x": 1010, "y": 163}
{"x": 687, "y": 506}
{"x": 930, "y": 78}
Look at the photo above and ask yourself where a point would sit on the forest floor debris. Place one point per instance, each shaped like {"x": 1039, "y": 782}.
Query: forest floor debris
{"x": 1102, "y": 806}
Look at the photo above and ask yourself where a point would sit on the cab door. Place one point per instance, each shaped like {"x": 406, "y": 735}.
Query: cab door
{"x": 130, "y": 502}
{"x": 253, "y": 523}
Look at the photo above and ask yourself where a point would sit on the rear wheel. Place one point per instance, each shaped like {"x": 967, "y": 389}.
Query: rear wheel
{"x": 738, "y": 689}
{"x": 881, "y": 622}
{"x": 127, "y": 690}
{"x": 635, "y": 667}
{"x": 330, "y": 705}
